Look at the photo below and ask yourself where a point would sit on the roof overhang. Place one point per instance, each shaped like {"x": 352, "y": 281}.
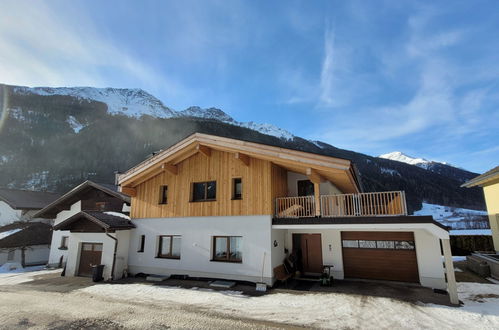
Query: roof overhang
{"x": 299, "y": 161}
{"x": 65, "y": 201}
{"x": 395, "y": 223}
{"x": 482, "y": 180}
{"x": 96, "y": 225}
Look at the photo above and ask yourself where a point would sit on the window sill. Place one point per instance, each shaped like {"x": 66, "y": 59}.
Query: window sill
{"x": 236, "y": 199}
{"x": 173, "y": 258}
{"x": 227, "y": 261}
{"x": 204, "y": 200}
{"x": 62, "y": 248}
{"x": 140, "y": 251}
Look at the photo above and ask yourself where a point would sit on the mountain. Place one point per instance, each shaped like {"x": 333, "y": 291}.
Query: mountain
{"x": 54, "y": 138}
{"x": 137, "y": 103}
{"x": 442, "y": 168}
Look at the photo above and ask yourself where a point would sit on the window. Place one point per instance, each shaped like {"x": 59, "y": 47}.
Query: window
{"x": 237, "y": 188}
{"x": 404, "y": 245}
{"x": 10, "y": 255}
{"x": 204, "y": 191}
{"x": 169, "y": 246}
{"x": 142, "y": 243}
{"x": 367, "y": 244}
{"x": 101, "y": 206}
{"x": 64, "y": 243}
{"x": 163, "y": 195}
{"x": 227, "y": 248}
{"x": 350, "y": 243}
{"x": 390, "y": 245}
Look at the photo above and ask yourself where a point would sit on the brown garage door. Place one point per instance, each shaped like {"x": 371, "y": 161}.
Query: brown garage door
{"x": 380, "y": 255}
{"x": 91, "y": 254}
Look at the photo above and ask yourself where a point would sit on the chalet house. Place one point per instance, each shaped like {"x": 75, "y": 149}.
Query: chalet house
{"x": 21, "y": 205}
{"x": 88, "y": 219}
{"x": 489, "y": 181}
{"x": 25, "y": 242}
{"x": 217, "y": 207}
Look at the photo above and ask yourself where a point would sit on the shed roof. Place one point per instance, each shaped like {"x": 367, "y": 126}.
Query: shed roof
{"x": 27, "y": 199}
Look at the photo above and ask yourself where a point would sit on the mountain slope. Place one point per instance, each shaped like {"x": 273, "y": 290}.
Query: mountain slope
{"x": 54, "y": 142}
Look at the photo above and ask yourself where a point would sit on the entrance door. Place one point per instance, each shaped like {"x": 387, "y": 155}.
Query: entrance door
{"x": 91, "y": 254}
{"x": 311, "y": 249}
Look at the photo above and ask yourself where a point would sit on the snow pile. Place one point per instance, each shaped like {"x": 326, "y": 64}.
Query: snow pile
{"x": 22, "y": 275}
{"x": 322, "y": 310}
{"x": 118, "y": 214}
{"x": 7, "y": 233}
{"x": 455, "y": 217}
{"x": 137, "y": 102}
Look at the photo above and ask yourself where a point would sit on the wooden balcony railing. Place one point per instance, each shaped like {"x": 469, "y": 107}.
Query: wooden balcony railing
{"x": 295, "y": 207}
{"x": 346, "y": 205}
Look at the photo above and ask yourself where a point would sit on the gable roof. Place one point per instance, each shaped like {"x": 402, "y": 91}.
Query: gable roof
{"x": 20, "y": 234}
{"x": 72, "y": 196}
{"x": 108, "y": 221}
{"x": 27, "y": 199}
{"x": 294, "y": 160}
{"x": 483, "y": 179}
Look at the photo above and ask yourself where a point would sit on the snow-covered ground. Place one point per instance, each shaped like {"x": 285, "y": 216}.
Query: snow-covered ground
{"x": 327, "y": 310}
{"x": 21, "y": 275}
{"x": 456, "y": 218}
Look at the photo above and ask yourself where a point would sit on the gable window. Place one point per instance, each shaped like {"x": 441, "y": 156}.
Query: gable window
{"x": 204, "y": 191}
{"x": 237, "y": 188}
{"x": 227, "y": 248}
{"x": 163, "y": 195}
{"x": 64, "y": 243}
{"x": 169, "y": 246}
{"x": 142, "y": 243}
{"x": 101, "y": 206}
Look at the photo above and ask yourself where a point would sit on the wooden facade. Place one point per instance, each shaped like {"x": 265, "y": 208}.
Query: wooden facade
{"x": 262, "y": 182}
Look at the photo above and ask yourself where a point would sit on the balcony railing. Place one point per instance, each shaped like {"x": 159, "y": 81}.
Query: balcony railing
{"x": 347, "y": 205}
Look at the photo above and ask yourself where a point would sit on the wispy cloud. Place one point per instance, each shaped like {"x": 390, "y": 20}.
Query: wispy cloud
{"x": 39, "y": 46}
{"x": 326, "y": 83}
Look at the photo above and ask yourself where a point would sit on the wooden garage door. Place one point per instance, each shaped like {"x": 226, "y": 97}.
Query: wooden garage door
{"x": 91, "y": 254}
{"x": 380, "y": 255}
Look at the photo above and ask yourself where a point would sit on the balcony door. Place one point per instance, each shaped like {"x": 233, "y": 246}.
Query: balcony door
{"x": 305, "y": 188}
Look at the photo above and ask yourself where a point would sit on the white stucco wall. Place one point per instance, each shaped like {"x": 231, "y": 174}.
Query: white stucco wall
{"x": 34, "y": 255}
{"x": 8, "y": 214}
{"x": 55, "y": 252}
{"x": 196, "y": 247}
{"x": 325, "y": 188}
{"x": 428, "y": 254}
{"x": 75, "y": 243}
{"x": 278, "y": 237}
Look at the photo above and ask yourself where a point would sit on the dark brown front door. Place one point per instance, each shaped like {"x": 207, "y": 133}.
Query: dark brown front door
{"x": 311, "y": 249}
{"x": 91, "y": 254}
{"x": 380, "y": 255}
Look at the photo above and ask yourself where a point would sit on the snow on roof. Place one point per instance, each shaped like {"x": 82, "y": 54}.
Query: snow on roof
{"x": 117, "y": 214}
{"x": 9, "y": 232}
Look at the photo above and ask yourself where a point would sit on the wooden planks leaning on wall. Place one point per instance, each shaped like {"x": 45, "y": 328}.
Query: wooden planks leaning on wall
{"x": 262, "y": 181}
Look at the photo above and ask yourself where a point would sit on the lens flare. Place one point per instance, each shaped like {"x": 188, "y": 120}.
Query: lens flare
{"x": 4, "y": 106}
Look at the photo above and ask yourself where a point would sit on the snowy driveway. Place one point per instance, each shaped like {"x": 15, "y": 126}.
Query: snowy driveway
{"x": 145, "y": 306}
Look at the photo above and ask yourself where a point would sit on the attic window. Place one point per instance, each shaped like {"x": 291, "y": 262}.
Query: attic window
{"x": 163, "y": 195}
{"x": 237, "y": 188}
{"x": 204, "y": 191}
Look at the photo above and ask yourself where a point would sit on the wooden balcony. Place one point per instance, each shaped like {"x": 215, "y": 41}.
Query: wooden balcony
{"x": 347, "y": 205}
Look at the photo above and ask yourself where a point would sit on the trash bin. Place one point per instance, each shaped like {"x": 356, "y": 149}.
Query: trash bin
{"x": 97, "y": 271}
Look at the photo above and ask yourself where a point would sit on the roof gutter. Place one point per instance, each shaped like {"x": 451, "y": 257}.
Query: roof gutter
{"x": 114, "y": 253}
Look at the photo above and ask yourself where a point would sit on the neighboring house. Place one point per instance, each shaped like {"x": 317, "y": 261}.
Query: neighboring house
{"x": 27, "y": 243}
{"x": 489, "y": 181}
{"x": 224, "y": 208}
{"x": 89, "y": 207}
{"x": 21, "y": 205}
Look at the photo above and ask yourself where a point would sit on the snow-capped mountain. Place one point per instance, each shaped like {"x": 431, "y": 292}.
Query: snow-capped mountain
{"x": 137, "y": 102}
{"x": 401, "y": 157}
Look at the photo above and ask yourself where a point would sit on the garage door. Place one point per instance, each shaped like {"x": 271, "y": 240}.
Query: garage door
{"x": 91, "y": 254}
{"x": 380, "y": 255}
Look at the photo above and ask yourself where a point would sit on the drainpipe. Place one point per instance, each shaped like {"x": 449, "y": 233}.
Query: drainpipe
{"x": 114, "y": 254}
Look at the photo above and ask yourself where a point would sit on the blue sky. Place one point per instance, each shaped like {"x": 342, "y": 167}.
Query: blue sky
{"x": 369, "y": 76}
